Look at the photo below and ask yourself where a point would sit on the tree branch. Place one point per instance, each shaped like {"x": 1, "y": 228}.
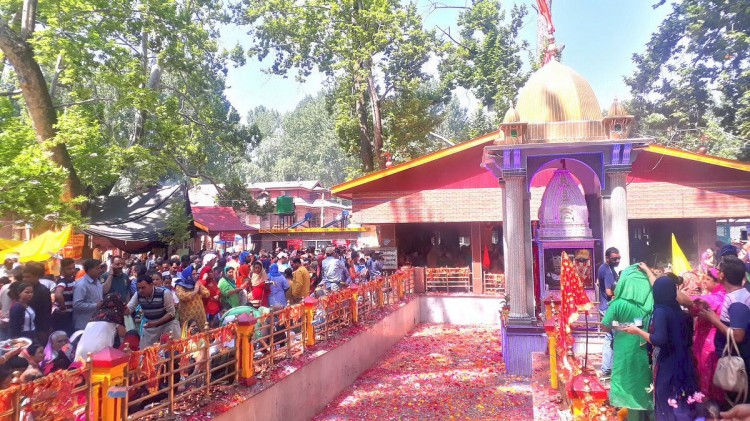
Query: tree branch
{"x": 11, "y": 93}
{"x": 448, "y": 34}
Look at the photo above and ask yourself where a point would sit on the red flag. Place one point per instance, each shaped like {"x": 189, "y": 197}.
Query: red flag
{"x": 486, "y": 259}
{"x": 546, "y": 12}
{"x": 573, "y": 299}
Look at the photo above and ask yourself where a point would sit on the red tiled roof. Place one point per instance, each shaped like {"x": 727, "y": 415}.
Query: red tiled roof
{"x": 217, "y": 219}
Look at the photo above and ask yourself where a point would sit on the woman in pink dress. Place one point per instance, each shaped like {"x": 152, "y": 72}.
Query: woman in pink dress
{"x": 703, "y": 342}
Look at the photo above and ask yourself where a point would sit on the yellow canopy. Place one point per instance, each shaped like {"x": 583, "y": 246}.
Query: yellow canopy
{"x": 6, "y": 244}
{"x": 39, "y": 249}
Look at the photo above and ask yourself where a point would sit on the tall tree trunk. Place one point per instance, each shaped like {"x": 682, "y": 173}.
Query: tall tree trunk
{"x": 140, "y": 115}
{"x": 36, "y": 94}
{"x": 365, "y": 145}
{"x": 377, "y": 123}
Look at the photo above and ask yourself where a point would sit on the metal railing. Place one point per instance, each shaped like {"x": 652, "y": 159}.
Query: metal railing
{"x": 166, "y": 378}
{"x": 61, "y": 395}
{"x": 448, "y": 280}
{"x": 493, "y": 284}
{"x": 279, "y": 336}
{"x": 173, "y": 378}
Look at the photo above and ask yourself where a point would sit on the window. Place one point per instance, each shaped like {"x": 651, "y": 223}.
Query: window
{"x": 618, "y": 127}
{"x": 513, "y": 133}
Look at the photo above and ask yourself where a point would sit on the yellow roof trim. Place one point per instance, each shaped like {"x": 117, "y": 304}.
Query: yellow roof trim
{"x": 311, "y": 230}
{"x": 200, "y": 226}
{"x": 377, "y": 175}
{"x": 706, "y": 159}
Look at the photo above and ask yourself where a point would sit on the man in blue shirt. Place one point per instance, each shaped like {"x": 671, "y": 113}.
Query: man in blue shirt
{"x": 606, "y": 277}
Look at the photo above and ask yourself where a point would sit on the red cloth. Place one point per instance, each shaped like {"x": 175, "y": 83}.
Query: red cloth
{"x": 244, "y": 274}
{"x": 211, "y": 304}
{"x": 486, "y": 258}
{"x": 573, "y": 298}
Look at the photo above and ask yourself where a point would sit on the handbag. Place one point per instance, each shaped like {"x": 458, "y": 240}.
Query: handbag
{"x": 730, "y": 374}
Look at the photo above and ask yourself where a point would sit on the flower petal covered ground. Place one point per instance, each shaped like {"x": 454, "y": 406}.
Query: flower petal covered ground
{"x": 437, "y": 372}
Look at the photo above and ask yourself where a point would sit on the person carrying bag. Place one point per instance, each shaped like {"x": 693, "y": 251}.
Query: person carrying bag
{"x": 730, "y": 374}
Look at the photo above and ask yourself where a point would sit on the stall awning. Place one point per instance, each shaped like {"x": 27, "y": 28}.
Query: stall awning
{"x": 39, "y": 249}
{"x": 220, "y": 219}
{"x": 139, "y": 217}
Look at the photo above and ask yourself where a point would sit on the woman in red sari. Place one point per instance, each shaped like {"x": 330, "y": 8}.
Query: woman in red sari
{"x": 258, "y": 280}
{"x": 703, "y": 342}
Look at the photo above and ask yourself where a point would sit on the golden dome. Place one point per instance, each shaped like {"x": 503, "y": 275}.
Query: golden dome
{"x": 511, "y": 116}
{"x": 556, "y": 92}
{"x": 616, "y": 109}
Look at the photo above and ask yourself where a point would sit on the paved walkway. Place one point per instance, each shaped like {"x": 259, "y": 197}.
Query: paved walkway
{"x": 437, "y": 372}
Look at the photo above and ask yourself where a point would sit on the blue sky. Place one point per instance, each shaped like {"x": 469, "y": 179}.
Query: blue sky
{"x": 600, "y": 37}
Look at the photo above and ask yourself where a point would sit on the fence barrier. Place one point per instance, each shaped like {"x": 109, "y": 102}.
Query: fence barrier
{"x": 448, "y": 279}
{"x": 170, "y": 378}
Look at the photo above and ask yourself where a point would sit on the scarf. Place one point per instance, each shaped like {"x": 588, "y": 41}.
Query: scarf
{"x": 49, "y": 350}
{"x": 258, "y": 279}
{"x": 232, "y": 282}
{"x": 112, "y": 310}
{"x": 634, "y": 287}
{"x": 665, "y": 294}
{"x": 186, "y": 279}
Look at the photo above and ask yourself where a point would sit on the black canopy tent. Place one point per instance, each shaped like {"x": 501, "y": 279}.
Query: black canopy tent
{"x": 134, "y": 223}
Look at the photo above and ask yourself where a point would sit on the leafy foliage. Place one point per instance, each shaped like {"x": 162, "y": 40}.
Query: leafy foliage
{"x": 138, "y": 87}
{"x": 486, "y": 56}
{"x": 301, "y": 145}
{"x": 236, "y": 195}
{"x": 178, "y": 225}
{"x": 692, "y": 84}
{"x": 372, "y": 52}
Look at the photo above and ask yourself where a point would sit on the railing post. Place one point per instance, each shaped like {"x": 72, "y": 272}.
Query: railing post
{"x": 355, "y": 303}
{"x": 379, "y": 291}
{"x": 401, "y": 285}
{"x": 107, "y": 370}
{"x": 310, "y": 305}
{"x": 244, "y": 350}
{"x": 549, "y": 327}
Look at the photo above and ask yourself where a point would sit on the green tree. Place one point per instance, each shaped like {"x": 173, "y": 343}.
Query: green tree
{"x": 485, "y": 57}
{"x": 303, "y": 146}
{"x": 691, "y": 87}
{"x": 122, "y": 93}
{"x": 370, "y": 51}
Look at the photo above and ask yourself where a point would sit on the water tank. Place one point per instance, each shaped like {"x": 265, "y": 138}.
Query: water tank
{"x": 284, "y": 205}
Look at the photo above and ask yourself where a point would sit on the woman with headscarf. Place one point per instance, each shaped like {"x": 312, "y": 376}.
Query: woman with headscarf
{"x": 195, "y": 349}
{"x": 279, "y": 286}
{"x": 191, "y": 295}
{"x": 258, "y": 280}
{"x": 56, "y": 353}
{"x": 674, "y": 383}
{"x": 107, "y": 323}
{"x": 704, "y": 348}
{"x": 231, "y": 295}
{"x": 631, "y": 372}
{"x": 211, "y": 303}
{"x": 707, "y": 260}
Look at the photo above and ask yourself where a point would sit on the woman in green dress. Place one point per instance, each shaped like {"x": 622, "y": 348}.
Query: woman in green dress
{"x": 631, "y": 372}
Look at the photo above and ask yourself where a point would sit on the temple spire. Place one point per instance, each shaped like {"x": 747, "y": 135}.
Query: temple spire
{"x": 546, "y": 30}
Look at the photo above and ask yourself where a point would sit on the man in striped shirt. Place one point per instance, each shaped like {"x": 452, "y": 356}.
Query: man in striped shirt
{"x": 62, "y": 314}
{"x": 158, "y": 311}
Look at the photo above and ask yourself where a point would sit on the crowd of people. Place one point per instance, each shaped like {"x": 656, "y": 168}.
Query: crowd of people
{"x": 670, "y": 332}
{"x": 50, "y": 323}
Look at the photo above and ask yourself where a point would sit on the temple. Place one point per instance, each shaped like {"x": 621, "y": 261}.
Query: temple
{"x": 558, "y": 175}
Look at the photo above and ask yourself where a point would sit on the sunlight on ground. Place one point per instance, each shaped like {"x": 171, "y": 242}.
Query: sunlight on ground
{"x": 439, "y": 371}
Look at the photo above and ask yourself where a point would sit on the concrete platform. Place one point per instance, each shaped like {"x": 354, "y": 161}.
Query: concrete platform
{"x": 304, "y": 393}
